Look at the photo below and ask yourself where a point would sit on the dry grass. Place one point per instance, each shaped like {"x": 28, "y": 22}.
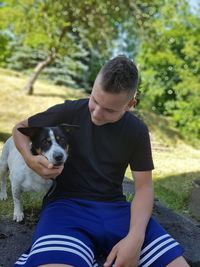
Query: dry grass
{"x": 15, "y": 105}
{"x": 176, "y": 167}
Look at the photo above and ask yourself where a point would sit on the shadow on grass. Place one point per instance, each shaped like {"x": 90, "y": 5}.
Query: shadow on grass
{"x": 175, "y": 190}
{"x": 4, "y": 136}
{"x": 63, "y": 96}
{"x": 155, "y": 122}
{"x": 72, "y": 94}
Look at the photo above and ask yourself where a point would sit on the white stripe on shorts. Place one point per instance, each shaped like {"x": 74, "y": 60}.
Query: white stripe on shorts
{"x": 160, "y": 254}
{"x": 57, "y": 249}
{"x": 65, "y": 237}
{"x": 154, "y": 246}
{"x": 154, "y": 242}
{"x": 58, "y": 243}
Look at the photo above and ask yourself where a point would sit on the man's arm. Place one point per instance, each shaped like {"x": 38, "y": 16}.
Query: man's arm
{"x": 142, "y": 203}
{"x": 37, "y": 163}
{"x": 126, "y": 253}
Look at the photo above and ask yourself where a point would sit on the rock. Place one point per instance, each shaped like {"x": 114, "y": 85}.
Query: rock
{"x": 195, "y": 200}
{"x": 15, "y": 238}
{"x": 184, "y": 230}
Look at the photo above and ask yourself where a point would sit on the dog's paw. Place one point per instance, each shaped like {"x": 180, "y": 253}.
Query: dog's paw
{"x": 3, "y": 196}
{"x": 18, "y": 216}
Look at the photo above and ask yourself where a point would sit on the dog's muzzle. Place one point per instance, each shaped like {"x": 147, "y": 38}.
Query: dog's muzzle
{"x": 59, "y": 159}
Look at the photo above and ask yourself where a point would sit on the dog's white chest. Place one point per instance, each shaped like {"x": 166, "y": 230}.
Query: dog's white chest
{"x": 21, "y": 175}
{"x": 33, "y": 182}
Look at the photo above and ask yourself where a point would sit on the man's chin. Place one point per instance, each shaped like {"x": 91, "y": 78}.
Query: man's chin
{"x": 98, "y": 123}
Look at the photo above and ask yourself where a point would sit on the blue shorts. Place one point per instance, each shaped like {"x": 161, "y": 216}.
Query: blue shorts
{"x": 75, "y": 232}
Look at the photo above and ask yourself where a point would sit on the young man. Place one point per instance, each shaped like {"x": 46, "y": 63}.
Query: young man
{"x": 86, "y": 214}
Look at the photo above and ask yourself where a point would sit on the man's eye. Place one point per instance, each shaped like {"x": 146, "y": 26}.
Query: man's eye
{"x": 94, "y": 100}
{"x": 110, "y": 111}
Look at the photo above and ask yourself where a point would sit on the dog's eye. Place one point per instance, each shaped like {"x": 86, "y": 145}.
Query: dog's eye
{"x": 46, "y": 142}
{"x": 61, "y": 140}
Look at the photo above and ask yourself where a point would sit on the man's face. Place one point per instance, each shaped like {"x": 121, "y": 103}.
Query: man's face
{"x": 107, "y": 107}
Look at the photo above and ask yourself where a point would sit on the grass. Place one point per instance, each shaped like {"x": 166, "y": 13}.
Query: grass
{"x": 16, "y": 106}
{"x": 175, "y": 171}
{"x": 176, "y": 163}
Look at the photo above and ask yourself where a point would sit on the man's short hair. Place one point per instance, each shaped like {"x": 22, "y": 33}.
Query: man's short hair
{"x": 118, "y": 75}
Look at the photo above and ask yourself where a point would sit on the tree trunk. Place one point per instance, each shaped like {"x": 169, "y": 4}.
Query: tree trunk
{"x": 29, "y": 87}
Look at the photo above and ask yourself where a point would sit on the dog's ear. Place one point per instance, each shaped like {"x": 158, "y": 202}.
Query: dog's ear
{"x": 29, "y": 131}
{"x": 68, "y": 128}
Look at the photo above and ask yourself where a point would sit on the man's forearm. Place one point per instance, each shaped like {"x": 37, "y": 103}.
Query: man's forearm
{"x": 21, "y": 141}
{"x": 142, "y": 204}
{"x": 141, "y": 210}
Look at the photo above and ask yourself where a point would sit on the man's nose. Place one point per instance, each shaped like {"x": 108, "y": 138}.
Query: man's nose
{"x": 97, "y": 112}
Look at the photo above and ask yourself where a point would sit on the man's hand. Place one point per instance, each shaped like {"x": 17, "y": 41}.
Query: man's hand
{"x": 125, "y": 253}
{"x": 43, "y": 167}
{"x": 39, "y": 163}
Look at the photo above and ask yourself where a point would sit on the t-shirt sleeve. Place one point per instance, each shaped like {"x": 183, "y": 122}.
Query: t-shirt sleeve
{"x": 141, "y": 159}
{"x": 53, "y": 116}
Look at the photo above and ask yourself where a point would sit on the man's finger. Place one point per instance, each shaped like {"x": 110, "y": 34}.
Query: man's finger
{"x": 44, "y": 162}
{"x": 111, "y": 257}
{"x": 50, "y": 166}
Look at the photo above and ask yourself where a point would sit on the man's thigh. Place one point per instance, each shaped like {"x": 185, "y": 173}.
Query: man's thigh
{"x": 55, "y": 265}
{"x": 61, "y": 237}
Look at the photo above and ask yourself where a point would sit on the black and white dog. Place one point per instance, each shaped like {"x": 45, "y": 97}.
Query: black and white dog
{"x": 51, "y": 142}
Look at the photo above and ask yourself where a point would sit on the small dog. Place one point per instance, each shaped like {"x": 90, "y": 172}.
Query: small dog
{"x": 51, "y": 142}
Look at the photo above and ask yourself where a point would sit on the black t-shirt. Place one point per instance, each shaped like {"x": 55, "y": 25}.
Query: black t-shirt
{"x": 98, "y": 155}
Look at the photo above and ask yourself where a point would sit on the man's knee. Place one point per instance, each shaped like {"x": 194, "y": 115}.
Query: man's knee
{"x": 178, "y": 262}
{"x": 55, "y": 265}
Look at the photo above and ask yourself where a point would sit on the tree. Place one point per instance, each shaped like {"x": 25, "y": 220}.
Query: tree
{"x": 59, "y": 27}
{"x": 65, "y": 70}
{"x": 169, "y": 66}
{"x": 4, "y": 40}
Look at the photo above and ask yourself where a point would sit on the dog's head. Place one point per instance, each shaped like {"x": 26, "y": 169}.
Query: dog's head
{"x": 51, "y": 142}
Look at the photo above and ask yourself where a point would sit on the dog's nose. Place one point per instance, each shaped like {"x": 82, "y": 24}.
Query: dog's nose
{"x": 58, "y": 157}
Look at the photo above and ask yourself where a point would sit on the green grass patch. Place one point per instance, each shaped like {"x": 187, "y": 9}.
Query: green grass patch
{"x": 31, "y": 205}
{"x": 177, "y": 202}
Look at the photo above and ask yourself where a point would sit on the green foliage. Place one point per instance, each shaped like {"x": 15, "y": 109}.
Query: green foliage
{"x": 94, "y": 61}
{"x": 66, "y": 70}
{"x": 4, "y": 51}
{"x": 53, "y": 24}
{"x": 170, "y": 69}
{"x": 23, "y": 58}
{"x": 65, "y": 28}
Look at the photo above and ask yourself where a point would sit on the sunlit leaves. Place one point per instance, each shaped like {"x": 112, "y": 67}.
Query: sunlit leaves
{"x": 48, "y": 22}
{"x": 170, "y": 67}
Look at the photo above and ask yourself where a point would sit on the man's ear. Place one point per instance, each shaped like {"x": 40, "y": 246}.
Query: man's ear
{"x": 131, "y": 103}
{"x": 29, "y": 131}
{"x": 68, "y": 128}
